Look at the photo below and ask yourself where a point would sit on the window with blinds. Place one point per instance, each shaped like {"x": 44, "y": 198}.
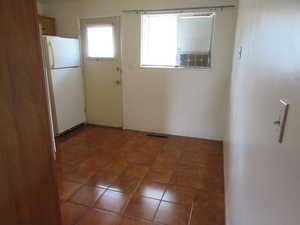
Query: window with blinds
{"x": 177, "y": 39}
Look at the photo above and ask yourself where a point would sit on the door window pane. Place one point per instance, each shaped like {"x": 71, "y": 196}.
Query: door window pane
{"x": 100, "y": 41}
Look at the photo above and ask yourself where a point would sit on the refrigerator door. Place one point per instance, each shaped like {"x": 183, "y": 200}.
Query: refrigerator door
{"x": 68, "y": 94}
{"x": 63, "y": 52}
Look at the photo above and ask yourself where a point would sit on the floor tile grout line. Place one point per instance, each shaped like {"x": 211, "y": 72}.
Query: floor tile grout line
{"x": 109, "y": 211}
{"x": 75, "y": 192}
{"x": 124, "y": 172}
{"x": 130, "y": 198}
{"x": 78, "y": 204}
{"x": 89, "y": 208}
{"x": 161, "y": 200}
{"x": 98, "y": 199}
{"x": 178, "y": 203}
{"x": 138, "y": 218}
{"x": 131, "y": 194}
{"x": 84, "y": 185}
{"x": 81, "y": 204}
{"x": 156, "y": 211}
{"x": 143, "y": 180}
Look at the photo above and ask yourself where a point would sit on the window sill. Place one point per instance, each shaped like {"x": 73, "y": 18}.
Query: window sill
{"x": 175, "y": 67}
{"x": 99, "y": 59}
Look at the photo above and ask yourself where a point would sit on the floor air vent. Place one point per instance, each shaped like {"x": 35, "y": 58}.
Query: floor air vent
{"x": 157, "y": 136}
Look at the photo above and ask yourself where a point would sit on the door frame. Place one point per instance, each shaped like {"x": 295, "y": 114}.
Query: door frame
{"x": 83, "y": 22}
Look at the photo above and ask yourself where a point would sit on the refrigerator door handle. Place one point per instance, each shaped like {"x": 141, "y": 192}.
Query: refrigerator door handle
{"x": 52, "y": 58}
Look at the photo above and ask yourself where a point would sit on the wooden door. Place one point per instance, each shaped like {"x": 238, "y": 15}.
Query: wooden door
{"x": 28, "y": 194}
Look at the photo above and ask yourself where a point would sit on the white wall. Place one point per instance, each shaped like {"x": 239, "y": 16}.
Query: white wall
{"x": 66, "y": 14}
{"x": 189, "y": 102}
{"x": 263, "y": 176}
{"x": 185, "y": 102}
{"x": 40, "y": 8}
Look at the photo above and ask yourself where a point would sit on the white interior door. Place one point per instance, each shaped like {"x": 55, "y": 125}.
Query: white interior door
{"x": 101, "y": 45}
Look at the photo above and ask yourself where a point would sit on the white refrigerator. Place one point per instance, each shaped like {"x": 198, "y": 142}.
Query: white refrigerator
{"x": 65, "y": 80}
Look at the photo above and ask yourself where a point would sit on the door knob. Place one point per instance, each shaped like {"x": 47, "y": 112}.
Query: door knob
{"x": 118, "y": 82}
{"x": 277, "y": 122}
{"x": 118, "y": 69}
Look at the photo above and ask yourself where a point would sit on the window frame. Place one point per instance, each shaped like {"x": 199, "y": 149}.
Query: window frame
{"x": 212, "y": 43}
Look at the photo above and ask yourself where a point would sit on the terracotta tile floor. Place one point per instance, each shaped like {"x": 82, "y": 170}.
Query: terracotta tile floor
{"x": 112, "y": 177}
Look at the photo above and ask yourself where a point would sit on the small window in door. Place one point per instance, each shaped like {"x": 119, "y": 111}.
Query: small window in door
{"x": 100, "y": 42}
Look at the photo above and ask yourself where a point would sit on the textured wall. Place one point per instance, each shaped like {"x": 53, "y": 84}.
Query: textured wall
{"x": 263, "y": 182}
